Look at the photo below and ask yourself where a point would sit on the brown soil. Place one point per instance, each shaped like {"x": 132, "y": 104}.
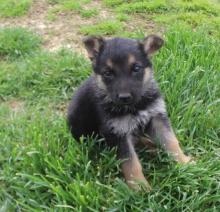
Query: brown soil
{"x": 61, "y": 32}
{"x": 64, "y": 30}
{"x": 16, "y": 106}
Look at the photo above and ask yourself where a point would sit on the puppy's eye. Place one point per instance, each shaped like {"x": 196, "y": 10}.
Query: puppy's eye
{"x": 108, "y": 74}
{"x": 136, "y": 68}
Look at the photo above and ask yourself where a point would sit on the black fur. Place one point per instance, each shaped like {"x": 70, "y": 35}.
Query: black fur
{"x": 121, "y": 102}
{"x": 92, "y": 106}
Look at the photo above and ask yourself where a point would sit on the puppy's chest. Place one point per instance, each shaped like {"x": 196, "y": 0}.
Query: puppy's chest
{"x": 128, "y": 124}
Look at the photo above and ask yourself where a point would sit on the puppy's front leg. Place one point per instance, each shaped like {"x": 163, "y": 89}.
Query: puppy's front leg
{"x": 131, "y": 166}
{"x": 163, "y": 132}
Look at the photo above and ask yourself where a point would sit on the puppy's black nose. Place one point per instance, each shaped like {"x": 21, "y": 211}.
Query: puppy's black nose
{"x": 125, "y": 98}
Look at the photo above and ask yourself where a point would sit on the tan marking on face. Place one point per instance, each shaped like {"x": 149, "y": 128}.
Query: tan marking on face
{"x": 109, "y": 63}
{"x": 131, "y": 59}
{"x": 100, "y": 82}
{"x": 147, "y": 72}
{"x": 91, "y": 56}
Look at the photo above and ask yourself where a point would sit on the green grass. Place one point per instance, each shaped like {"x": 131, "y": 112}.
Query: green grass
{"x": 137, "y": 7}
{"x": 87, "y": 13}
{"x": 43, "y": 73}
{"x": 110, "y": 27}
{"x": 194, "y": 20}
{"x": 12, "y": 8}
{"x": 16, "y": 42}
{"x": 113, "y": 3}
{"x": 43, "y": 168}
{"x": 63, "y": 6}
{"x": 164, "y": 12}
{"x": 158, "y": 6}
{"x": 122, "y": 17}
{"x": 71, "y": 6}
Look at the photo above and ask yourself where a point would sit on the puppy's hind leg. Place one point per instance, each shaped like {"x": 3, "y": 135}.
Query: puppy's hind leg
{"x": 147, "y": 142}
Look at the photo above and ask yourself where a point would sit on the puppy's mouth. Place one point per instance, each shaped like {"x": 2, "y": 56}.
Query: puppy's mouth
{"x": 125, "y": 104}
{"x": 117, "y": 107}
{"x": 121, "y": 108}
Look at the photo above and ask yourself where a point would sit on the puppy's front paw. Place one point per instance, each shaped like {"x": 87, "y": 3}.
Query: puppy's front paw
{"x": 186, "y": 159}
{"x": 138, "y": 185}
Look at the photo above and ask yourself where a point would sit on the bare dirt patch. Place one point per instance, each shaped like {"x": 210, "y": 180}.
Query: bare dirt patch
{"x": 64, "y": 30}
{"x": 16, "y": 105}
{"x": 145, "y": 23}
{"x": 61, "y": 32}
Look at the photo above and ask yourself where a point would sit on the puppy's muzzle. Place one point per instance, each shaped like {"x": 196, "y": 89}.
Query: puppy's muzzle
{"x": 125, "y": 98}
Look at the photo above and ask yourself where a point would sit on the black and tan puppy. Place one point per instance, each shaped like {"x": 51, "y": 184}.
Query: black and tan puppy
{"x": 121, "y": 101}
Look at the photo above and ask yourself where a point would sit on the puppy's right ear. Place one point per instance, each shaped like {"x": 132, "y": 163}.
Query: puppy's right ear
{"x": 93, "y": 46}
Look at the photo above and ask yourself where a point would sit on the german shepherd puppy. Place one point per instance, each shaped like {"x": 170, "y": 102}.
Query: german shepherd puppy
{"x": 121, "y": 102}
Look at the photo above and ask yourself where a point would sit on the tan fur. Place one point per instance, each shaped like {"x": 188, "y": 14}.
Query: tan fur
{"x": 99, "y": 82}
{"x": 147, "y": 72}
{"x": 173, "y": 148}
{"x": 147, "y": 45}
{"x": 96, "y": 45}
{"x": 92, "y": 44}
{"x": 169, "y": 142}
{"x": 131, "y": 59}
{"x": 109, "y": 63}
{"x": 90, "y": 55}
{"x": 132, "y": 170}
{"x": 152, "y": 43}
{"x": 146, "y": 141}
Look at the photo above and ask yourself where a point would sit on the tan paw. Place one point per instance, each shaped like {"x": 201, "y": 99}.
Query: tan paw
{"x": 138, "y": 185}
{"x": 186, "y": 159}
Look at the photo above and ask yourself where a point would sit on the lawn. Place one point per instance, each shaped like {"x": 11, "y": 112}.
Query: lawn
{"x": 42, "y": 168}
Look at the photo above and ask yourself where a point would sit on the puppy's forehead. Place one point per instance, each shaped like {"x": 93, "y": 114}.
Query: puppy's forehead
{"x": 120, "y": 50}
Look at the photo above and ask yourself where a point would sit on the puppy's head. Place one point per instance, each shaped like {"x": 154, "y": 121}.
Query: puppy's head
{"x": 122, "y": 66}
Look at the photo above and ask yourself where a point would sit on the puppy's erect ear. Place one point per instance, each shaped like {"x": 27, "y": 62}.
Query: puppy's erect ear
{"x": 93, "y": 46}
{"x": 151, "y": 44}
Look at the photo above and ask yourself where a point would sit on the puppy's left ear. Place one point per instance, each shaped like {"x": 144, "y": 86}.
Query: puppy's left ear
{"x": 93, "y": 45}
{"x": 151, "y": 44}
